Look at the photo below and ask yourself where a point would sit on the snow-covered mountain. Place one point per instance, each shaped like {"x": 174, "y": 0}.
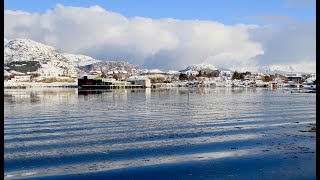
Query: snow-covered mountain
{"x": 173, "y": 72}
{"x": 106, "y": 66}
{"x": 203, "y": 66}
{"x": 29, "y": 55}
{"x": 78, "y": 60}
{"x": 87, "y": 64}
{"x": 223, "y": 69}
{"x": 151, "y": 71}
{"x": 52, "y": 62}
{"x": 25, "y": 55}
{"x": 272, "y": 69}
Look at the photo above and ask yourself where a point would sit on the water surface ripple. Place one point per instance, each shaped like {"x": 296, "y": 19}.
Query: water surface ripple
{"x": 176, "y": 133}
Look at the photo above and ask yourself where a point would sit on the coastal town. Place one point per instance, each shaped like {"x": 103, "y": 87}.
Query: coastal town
{"x": 156, "y": 78}
{"x": 30, "y": 64}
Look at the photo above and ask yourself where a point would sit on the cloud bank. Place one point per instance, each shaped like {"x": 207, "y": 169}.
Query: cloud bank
{"x": 154, "y": 43}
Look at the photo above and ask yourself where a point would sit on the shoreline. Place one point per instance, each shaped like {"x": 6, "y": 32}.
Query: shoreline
{"x": 74, "y": 85}
{"x": 25, "y": 85}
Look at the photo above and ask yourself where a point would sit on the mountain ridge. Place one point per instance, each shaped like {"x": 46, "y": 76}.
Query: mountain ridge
{"x": 55, "y": 63}
{"x": 51, "y": 62}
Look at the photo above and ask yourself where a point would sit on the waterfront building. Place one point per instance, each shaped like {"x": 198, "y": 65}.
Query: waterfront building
{"x": 140, "y": 80}
{"x": 294, "y": 77}
{"x": 23, "y": 78}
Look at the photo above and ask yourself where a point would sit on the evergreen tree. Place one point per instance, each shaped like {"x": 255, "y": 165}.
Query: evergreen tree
{"x": 236, "y": 75}
{"x": 183, "y": 77}
{"x": 103, "y": 75}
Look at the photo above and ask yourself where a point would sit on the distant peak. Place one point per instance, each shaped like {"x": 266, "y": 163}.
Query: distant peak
{"x": 202, "y": 66}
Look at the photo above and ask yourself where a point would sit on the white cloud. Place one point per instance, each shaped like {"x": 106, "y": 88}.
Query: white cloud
{"x": 290, "y": 44}
{"x": 149, "y": 43}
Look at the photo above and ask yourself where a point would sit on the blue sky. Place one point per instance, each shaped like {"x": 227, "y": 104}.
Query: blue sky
{"x": 225, "y": 11}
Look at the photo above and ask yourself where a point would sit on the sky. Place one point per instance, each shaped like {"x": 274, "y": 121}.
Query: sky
{"x": 172, "y": 34}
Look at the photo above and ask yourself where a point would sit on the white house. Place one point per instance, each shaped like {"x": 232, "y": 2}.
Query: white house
{"x": 227, "y": 74}
{"x": 295, "y": 77}
{"x": 24, "y": 78}
{"x": 94, "y": 72}
{"x": 190, "y": 72}
{"x": 140, "y": 80}
{"x": 172, "y": 75}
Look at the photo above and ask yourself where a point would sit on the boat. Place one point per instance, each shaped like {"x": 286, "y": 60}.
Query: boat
{"x": 304, "y": 90}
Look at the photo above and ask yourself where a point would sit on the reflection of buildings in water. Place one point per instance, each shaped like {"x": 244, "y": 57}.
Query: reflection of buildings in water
{"x": 21, "y": 96}
{"x": 59, "y": 96}
{"x": 35, "y": 98}
{"x": 113, "y": 94}
{"x": 183, "y": 91}
{"x": 58, "y": 93}
{"x": 148, "y": 93}
{"x": 121, "y": 94}
{"x": 203, "y": 90}
{"x": 237, "y": 90}
{"x": 94, "y": 94}
{"x": 88, "y": 92}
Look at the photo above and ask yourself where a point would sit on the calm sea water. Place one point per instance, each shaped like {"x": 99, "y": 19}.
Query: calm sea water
{"x": 210, "y": 133}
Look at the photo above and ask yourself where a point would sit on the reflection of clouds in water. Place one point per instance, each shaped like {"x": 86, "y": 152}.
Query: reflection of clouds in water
{"x": 148, "y": 94}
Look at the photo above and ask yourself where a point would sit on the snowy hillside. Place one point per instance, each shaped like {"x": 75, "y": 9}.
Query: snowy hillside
{"x": 150, "y": 71}
{"x": 107, "y": 66}
{"x": 52, "y": 62}
{"x": 47, "y": 61}
{"x": 223, "y": 69}
{"x": 173, "y": 72}
{"x": 277, "y": 69}
{"x": 78, "y": 60}
{"x": 203, "y": 66}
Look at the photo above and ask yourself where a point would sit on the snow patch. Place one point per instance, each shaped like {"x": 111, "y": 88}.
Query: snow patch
{"x": 203, "y": 66}
{"x": 78, "y": 60}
